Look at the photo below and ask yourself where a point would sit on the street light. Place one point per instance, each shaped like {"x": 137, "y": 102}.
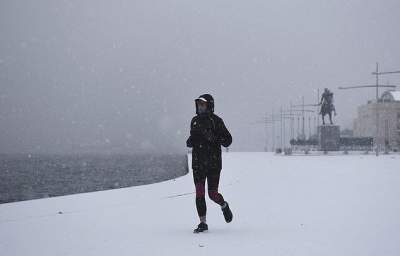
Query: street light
{"x": 377, "y": 86}
{"x": 377, "y": 74}
{"x": 268, "y": 121}
{"x": 303, "y": 105}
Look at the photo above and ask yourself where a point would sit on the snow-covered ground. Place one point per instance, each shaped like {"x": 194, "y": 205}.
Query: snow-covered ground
{"x": 297, "y": 205}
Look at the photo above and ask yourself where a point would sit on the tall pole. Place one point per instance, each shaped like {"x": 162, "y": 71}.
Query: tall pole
{"x": 273, "y": 131}
{"x": 266, "y": 133}
{"x": 377, "y": 74}
{"x": 284, "y": 133}
{"x": 291, "y": 122}
{"x": 376, "y": 86}
{"x": 376, "y": 111}
{"x": 298, "y": 127}
{"x": 317, "y": 112}
{"x": 281, "y": 116}
{"x": 302, "y": 114}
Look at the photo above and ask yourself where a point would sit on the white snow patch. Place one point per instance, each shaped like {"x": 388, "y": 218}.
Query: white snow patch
{"x": 298, "y": 205}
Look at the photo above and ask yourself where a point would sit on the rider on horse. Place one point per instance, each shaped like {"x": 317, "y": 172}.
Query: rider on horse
{"x": 327, "y": 105}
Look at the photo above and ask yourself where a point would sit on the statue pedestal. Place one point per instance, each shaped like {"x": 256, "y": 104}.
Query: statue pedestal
{"x": 328, "y": 137}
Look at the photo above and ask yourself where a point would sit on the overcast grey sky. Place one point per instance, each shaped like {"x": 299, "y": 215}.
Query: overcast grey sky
{"x": 121, "y": 76}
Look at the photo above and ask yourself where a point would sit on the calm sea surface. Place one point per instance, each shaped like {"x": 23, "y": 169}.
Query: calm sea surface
{"x": 25, "y": 177}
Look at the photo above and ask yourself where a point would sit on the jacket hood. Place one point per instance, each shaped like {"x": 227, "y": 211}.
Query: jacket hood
{"x": 210, "y": 102}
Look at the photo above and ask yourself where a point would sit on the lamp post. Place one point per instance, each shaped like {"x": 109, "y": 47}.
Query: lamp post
{"x": 303, "y": 110}
{"x": 377, "y": 74}
{"x": 268, "y": 121}
{"x": 376, "y": 86}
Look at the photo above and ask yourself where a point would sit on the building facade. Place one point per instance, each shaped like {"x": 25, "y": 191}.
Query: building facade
{"x": 388, "y": 108}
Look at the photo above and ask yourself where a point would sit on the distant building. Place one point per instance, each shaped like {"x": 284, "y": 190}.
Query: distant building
{"x": 389, "y": 120}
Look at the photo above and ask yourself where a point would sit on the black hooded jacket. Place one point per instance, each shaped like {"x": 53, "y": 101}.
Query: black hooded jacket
{"x": 207, "y": 134}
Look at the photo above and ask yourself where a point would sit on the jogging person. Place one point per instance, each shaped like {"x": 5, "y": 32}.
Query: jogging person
{"x": 207, "y": 134}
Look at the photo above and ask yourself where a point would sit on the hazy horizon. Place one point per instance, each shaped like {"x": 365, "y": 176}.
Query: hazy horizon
{"x": 121, "y": 76}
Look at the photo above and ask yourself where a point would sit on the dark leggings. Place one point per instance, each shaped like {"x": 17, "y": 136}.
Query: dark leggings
{"x": 212, "y": 178}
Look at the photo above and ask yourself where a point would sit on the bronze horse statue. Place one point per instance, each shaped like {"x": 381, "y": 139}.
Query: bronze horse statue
{"x": 327, "y": 106}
